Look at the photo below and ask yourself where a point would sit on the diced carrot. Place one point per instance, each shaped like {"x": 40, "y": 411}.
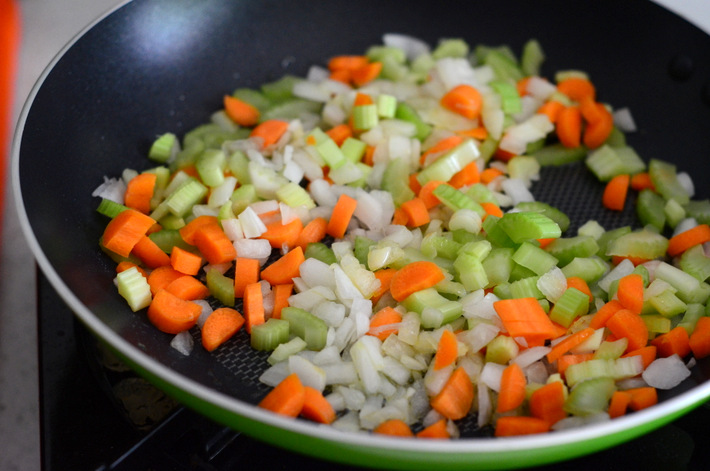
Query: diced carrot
{"x": 568, "y": 344}
{"x": 464, "y": 100}
{"x": 492, "y": 209}
{"x": 619, "y": 403}
{"x": 524, "y": 317}
{"x": 630, "y": 292}
{"x": 699, "y": 340}
{"x": 577, "y": 88}
{"x": 480, "y": 133}
{"x": 368, "y": 158}
{"x": 642, "y": 397}
{"x": 214, "y": 244}
{"x": 615, "y": 191}
{"x": 341, "y": 215}
{"x": 220, "y": 326}
{"x": 642, "y": 181}
{"x": 124, "y": 231}
{"x": 187, "y": 232}
{"x": 597, "y": 132}
{"x": 436, "y": 430}
{"x": 287, "y": 397}
{"x": 512, "y": 388}
{"x": 161, "y": 277}
{"x": 253, "y": 306}
{"x": 341, "y": 75}
{"x": 150, "y": 254}
{"x": 647, "y": 354}
{"x": 366, "y": 73}
{"x": 400, "y": 217}
{"x": 447, "y": 350}
{"x": 455, "y": 399}
{"x": 339, "y": 133}
{"x": 385, "y": 276}
{"x": 383, "y": 318}
{"x": 514, "y": 425}
{"x": 394, "y": 427}
{"x": 285, "y": 269}
{"x": 417, "y": 213}
{"x": 242, "y": 113}
{"x": 313, "y": 231}
{"x": 604, "y": 313}
{"x": 676, "y": 341}
{"x": 316, "y": 407}
{"x": 283, "y": 235}
{"x": 414, "y": 184}
{"x": 570, "y": 359}
{"x": 246, "y": 272}
{"x": 139, "y": 192}
{"x": 426, "y": 193}
{"x": 581, "y": 285}
{"x": 281, "y": 295}
{"x": 547, "y": 402}
{"x": 362, "y": 99}
{"x": 270, "y": 131}
{"x": 544, "y": 242}
{"x": 413, "y": 277}
{"x": 625, "y": 323}
{"x": 552, "y": 109}
{"x": 569, "y": 126}
{"x": 188, "y": 288}
{"x": 347, "y": 62}
{"x": 171, "y": 314}
{"x": 466, "y": 176}
{"x": 185, "y": 262}
{"x": 522, "y": 86}
{"x": 617, "y": 259}
{"x": 441, "y": 146}
{"x": 681, "y": 242}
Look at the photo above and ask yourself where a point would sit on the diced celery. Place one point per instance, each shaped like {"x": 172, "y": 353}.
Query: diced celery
{"x": 396, "y": 181}
{"x": 285, "y": 350}
{"x": 526, "y": 288}
{"x": 590, "y": 269}
{"x": 270, "y": 334}
{"x": 510, "y": 100}
{"x": 611, "y": 350}
{"x": 290, "y": 109}
{"x": 353, "y": 149}
{"x": 455, "y": 199}
{"x": 591, "y": 229}
{"x": 501, "y": 350}
{"x": 590, "y": 397}
{"x": 320, "y": 251}
{"x": 527, "y": 225}
{"x": 331, "y": 153}
{"x": 450, "y": 48}
{"x": 365, "y": 117}
{"x": 667, "y": 304}
{"x": 533, "y": 257}
{"x": 378, "y": 53}
{"x": 572, "y": 304}
{"x": 295, "y": 196}
{"x": 265, "y": 180}
{"x": 644, "y": 244}
{"x": 210, "y": 166}
{"x": 435, "y": 245}
{"x": 502, "y": 291}
{"x": 221, "y": 287}
{"x": 386, "y": 106}
{"x": 110, "y": 208}
{"x": 695, "y": 262}
{"x": 430, "y": 298}
{"x": 504, "y": 66}
{"x": 361, "y": 248}
{"x": 556, "y": 154}
{"x": 609, "y": 236}
{"x": 551, "y": 212}
{"x": 470, "y": 272}
{"x": 699, "y": 210}
{"x": 243, "y": 197}
{"x": 171, "y": 221}
{"x": 134, "y": 288}
{"x": 674, "y": 212}
{"x": 495, "y": 233}
{"x": 565, "y": 249}
{"x": 307, "y": 326}
{"x": 650, "y": 209}
{"x": 252, "y": 97}
{"x": 481, "y": 194}
{"x": 616, "y": 138}
{"x": 406, "y": 113}
{"x": 166, "y": 239}
{"x": 238, "y": 164}
{"x": 532, "y": 58}
{"x": 188, "y": 194}
{"x": 690, "y": 290}
{"x": 281, "y": 89}
{"x": 692, "y": 314}
{"x": 606, "y": 162}
{"x": 164, "y": 148}
{"x": 656, "y": 323}
{"x": 665, "y": 181}
{"x": 498, "y": 265}
{"x": 450, "y": 163}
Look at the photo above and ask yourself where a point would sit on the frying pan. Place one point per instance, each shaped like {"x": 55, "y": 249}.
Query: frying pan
{"x": 155, "y": 66}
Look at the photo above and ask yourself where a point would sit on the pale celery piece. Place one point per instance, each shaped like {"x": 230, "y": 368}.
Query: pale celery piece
{"x": 270, "y": 334}
{"x": 134, "y": 288}
{"x": 307, "y": 326}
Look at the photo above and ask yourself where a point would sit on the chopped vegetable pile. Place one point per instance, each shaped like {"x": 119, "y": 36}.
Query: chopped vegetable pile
{"x": 372, "y": 226}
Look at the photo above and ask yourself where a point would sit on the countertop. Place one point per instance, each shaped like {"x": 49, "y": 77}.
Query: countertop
{"x": 47, "y": 26}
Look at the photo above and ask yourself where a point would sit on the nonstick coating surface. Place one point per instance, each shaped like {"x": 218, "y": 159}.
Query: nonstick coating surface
{"x": 157, "y": 66}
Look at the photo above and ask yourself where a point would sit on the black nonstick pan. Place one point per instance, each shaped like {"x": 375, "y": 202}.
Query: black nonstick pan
{"x": 154, "y": 66}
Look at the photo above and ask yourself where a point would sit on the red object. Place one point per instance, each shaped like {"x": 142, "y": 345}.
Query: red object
{"x": 9, "y": 42}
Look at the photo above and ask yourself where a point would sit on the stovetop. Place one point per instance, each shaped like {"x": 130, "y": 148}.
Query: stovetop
{"x": 98, "y": 415}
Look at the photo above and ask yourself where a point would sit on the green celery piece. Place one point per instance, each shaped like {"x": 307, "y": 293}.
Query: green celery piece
{"x": 565, "y": 249}
{"x": 171, "y": 221}
{"x": 592, "y": 229}
{"x": 498, "y": 265}
{"x": 534, "y": 258}
{"x": 667, "y": 304}
{"x": 556, "y": 154}
{"x": 353, "y": 149}
{"x": 643, "y": 271}
{"x": 134, "y": 288}
{"x": 430, "y": 298}
{"x": 295, "y": 196}
{"x": 322, "y": 252}
{"x": 553, "y": 213}
{"x": 188, "y": 194}
{"x": 455, "y": 199}
{"x": 286, "y": 349}
{"x": 606, "y": 162}
{"x": 269, "y": 335}
{"x": 590, "y": 269}
{"x": 532, "y": 58}
{"x": 502, "y": 61}
{"x": 572, "y": 304}
{"x": 110, "y": 208}
{"x": 650, "y": 209}
{"x": 331, "y": 153}
{"x": 590, "y": 397}
{"x": 481, "y": 194}
{"x": 643, "y": 243}
{"x": 163, "y": 147}
{"x": 526, "y": 288}
{"x": 510, "y": 100}
{"x": 665, "y": 180}
{"x": 167, "y": 239}
{"x": 478, "y": 248}
{"x": 405, "y": 112}
{"x": 495, "y": 233}
{"x": 365, "y": 117}
{"x": 462, "y": 236}
{"x": 449, "y": 164}
{"x": 699, "y": 210}
{"x": 266, "y": 180}
{"x": 520, "y": 272}
{"x": 243, "y": 197}
{"x": 607, "y": 237}
{"x": 238, "y": 164}
{"x": 674, "y": 212}
{"x": 361, "y": 248}
{"x": 307, "y": 326}
{"x": 535, "y": 146}
{"x": 396, "y": 180}
{"x": 386, "y": 106}
{"x": 378, "y": 53}
{"x": 252, "y": 97}
{"x": 616, "y": 138}
{"x": 470, "y": 272}
{"x": 657, "y": 323}
{"x": 210, "y": 166}
{"x": 611, "y": 350}
{"x": 487, "y": 148}
{"x": 457, "y": 48}
{"x": 290, "y": 109}
{"x": 281, "y": 89}
{"x": 221, "y": 287}
{"x": 689, "y": 289}
{"x": 501, "y": 350}
{"x": 692, "y": 314}
{"x": 630, "y": 160}
{"x": 436, "y": 245}
{"x": 694, "y": 262}
{"x": 502, "y": 291}
{"x": 528, "y": 225}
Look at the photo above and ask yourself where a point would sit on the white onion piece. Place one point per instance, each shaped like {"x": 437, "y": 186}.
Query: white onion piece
{"x": 259, "y": 249}
{"x": 684, "y": 225}
{"x": 517, "y": 190}
{"x": 552, "y": 284}
{"x": 111, "y": 189}
{"x": 204, "y": 314}
{"x": 183, "y": 342}
{"x": 666, "y": 373}
{"x": 412, "y": 47}
{"x": 309, "y": 374}
{"x": 530, "y": 356}
{"x": 485, "y": 405}
{"x": 686, "y": 182}
{"x": 232, "y": 229}
{"x": 624, "y": 268}
{"x": 491, "y": 375}
{"x": 624, "y": 120}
